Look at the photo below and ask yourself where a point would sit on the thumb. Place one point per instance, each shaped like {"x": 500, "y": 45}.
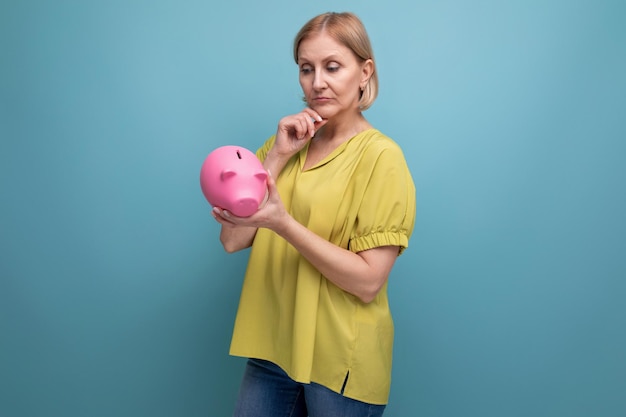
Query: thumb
{"x": 271, "y": 183}
{"x": 270, "y": 190}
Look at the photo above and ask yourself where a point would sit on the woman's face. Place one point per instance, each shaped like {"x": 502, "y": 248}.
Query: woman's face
{"x": 331, "y": 76}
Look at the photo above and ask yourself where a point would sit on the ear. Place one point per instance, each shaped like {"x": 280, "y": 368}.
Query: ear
{"x": 228, "y": 173}
{"x": 367, "y": 70}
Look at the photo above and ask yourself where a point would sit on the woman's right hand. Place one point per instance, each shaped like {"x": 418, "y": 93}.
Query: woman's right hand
{"x": 295, "y": 131}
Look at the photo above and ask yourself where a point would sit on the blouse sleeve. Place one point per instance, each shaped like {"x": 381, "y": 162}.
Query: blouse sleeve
{"x": 386, "y": 215}
{"x": 261, "y": 153}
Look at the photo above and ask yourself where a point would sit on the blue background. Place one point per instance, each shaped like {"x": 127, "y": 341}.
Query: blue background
{"x": 116, "y": 298}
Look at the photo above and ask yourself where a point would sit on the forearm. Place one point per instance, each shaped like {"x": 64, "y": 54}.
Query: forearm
{"x": 236, "y": 238}
{"x": 274, "y": 162}
{"x": 361, "y": 274}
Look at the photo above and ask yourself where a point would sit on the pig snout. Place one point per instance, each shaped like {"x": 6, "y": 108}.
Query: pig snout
{"x": 245, "y": 206}
{"x": 247, "y": 192}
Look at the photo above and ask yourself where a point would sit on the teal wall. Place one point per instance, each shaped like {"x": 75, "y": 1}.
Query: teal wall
{"x": 116, "y": 298}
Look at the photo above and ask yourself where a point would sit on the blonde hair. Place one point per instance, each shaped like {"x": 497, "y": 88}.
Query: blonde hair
{"x": 347, "y": 29}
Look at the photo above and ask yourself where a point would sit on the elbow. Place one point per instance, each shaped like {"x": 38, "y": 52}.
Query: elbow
{"x": 233, "y": 242}
{"x": 367, "y": 298}
{"x": 370, "y": 293}
{"x": 231, "y": 247}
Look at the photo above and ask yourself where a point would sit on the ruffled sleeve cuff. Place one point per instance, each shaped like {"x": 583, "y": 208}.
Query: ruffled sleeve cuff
{"x": 377, "y": 239}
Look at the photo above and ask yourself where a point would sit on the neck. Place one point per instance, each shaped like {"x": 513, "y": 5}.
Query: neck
{"x": 340, "y": 131}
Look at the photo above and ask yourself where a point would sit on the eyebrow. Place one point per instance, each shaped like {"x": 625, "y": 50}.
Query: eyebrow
{"x": 331, "y": 57}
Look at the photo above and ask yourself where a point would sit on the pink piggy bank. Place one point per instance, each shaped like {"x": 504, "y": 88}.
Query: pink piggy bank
{"x": 233, "y": 178}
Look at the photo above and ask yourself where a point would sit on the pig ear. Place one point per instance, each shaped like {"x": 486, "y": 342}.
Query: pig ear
{"x": 227, "y": 173}
{"x": 261, "y": 175}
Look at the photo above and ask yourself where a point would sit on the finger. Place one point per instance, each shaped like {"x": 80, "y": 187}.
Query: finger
{"x": 306, "y": 120}
{"x": 310, "y": 126}
{"x": 271, "y": 183}
{"x": 292, "y": 126}
{"x": 313, "y": 114}
{"x": 315, "y": 121}
{"x": 221, "y": 215}
{"x": 319, "y": 124}
{"x": 217, "y": 214}
{"x": 218, "y": 218}
{"x": 302, "y": 128}
{"x": 272, "y": 190}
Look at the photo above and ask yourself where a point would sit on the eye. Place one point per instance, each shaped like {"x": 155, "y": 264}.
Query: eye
{"x": 333, "y": 66}
{"x": 305, "y": 69}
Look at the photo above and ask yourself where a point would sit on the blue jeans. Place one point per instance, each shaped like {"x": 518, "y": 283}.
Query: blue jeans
{"x": 267, "y": 391}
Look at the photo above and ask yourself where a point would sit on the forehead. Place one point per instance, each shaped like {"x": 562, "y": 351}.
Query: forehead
{"x": 322, "y": 46}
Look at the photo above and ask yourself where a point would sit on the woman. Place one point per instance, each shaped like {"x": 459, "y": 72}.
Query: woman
{"x": 314, "y": 315}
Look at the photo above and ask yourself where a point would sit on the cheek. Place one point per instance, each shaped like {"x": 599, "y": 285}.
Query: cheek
{"x": 304, "y": 85}
{"x": 350, "y": 85}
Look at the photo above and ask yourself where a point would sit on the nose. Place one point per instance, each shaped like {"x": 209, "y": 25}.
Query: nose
{"x": 318, "y": 80}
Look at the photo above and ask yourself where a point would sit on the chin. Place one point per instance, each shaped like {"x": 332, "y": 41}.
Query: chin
{"x": 324, "y": 112}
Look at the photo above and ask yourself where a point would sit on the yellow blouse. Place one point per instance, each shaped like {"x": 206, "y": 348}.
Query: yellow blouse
{"x": 360, "y": 197}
